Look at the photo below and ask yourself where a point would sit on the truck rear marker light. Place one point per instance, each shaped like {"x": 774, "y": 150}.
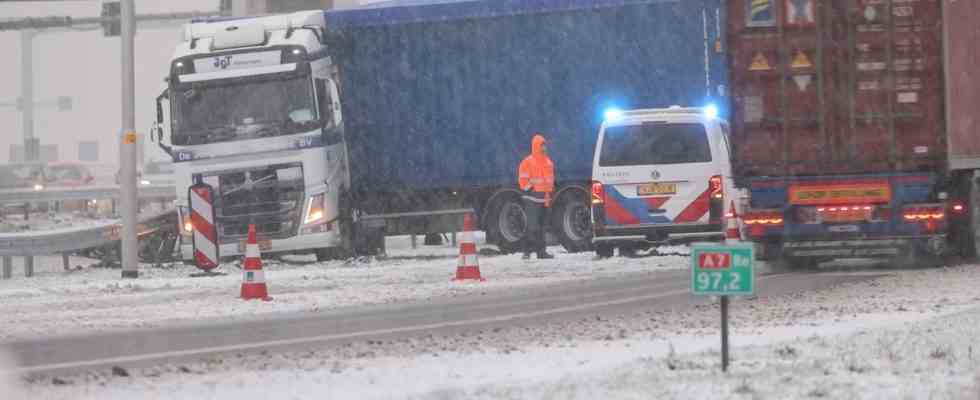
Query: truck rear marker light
{"x": 923, "y": 213}
{"x": 763, "y": 218}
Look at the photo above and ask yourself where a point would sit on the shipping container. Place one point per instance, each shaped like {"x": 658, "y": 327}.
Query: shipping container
{"x": 837, "y": 86}
{"x": 854, "y": 125}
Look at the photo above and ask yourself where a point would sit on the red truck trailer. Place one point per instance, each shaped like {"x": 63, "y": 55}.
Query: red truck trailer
{"x": 855, "y": 129}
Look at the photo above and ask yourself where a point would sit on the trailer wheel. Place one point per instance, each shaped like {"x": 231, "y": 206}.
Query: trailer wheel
{"x": 507, "y": 223}
{"x": 572, "y": 222}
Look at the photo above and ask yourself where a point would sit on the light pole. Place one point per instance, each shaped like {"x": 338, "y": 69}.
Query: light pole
{"x": 128, "y": 150}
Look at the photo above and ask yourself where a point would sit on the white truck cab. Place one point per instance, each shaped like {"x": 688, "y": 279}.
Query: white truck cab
{"x": 660, "y": 176}
{"x": 254, "y": 113}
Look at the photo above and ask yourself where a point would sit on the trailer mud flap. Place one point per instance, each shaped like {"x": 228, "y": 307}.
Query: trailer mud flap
{"x": 846, "y": 248}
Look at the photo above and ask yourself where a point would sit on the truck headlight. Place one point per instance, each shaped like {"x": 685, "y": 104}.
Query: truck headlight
{"x": 186, "y": 228}
{"x": 314, "y": 210}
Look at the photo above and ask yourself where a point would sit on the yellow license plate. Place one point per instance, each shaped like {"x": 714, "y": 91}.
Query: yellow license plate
{"x": 656, "y": 188}
{"x": 264, "y": 245}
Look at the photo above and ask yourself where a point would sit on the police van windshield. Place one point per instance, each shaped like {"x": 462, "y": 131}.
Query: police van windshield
{"x": 243, "y": 109}
{"x": 654, "y": 143}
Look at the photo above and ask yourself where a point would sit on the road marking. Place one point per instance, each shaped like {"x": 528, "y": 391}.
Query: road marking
{"x": 330, "y": 337}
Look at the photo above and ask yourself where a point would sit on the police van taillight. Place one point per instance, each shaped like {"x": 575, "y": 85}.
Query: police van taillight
{"x": 598, "y": 193}
{"x": 716, "y": 193}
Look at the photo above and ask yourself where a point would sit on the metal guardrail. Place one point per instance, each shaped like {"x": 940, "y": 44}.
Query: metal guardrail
{"x": 83, "y": 193}
{"x": 70, "y": 240}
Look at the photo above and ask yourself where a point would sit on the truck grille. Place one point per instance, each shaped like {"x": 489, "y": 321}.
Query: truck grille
{"x": 271, "y": 197}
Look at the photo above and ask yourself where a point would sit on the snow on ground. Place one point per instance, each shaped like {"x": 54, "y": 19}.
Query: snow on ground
{"x": 55, "y": 302}
{"x": 911, "y": 335}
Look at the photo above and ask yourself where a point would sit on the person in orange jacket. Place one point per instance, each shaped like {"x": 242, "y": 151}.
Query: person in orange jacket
{"x": 536, "y": 178}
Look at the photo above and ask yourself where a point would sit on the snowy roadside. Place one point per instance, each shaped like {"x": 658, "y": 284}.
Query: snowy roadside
{"x": 55, "y": 302}
{"x": 910, "y": 335}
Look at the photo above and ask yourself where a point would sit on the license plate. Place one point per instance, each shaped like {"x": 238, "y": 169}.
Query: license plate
{"x": 264, "y": 245}
{"x": 656, "y": 188}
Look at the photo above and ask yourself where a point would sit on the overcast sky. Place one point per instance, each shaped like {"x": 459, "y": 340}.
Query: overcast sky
{"x": 86, "y": 66}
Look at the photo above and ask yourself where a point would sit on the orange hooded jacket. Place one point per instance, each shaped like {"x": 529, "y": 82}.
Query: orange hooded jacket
{"x": 537, "y": 172}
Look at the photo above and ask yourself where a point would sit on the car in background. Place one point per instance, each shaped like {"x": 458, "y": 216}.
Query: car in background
{"x": 68, "y": 174}
{"x": 157, "y": 173}
{"x": 22, "y": 176}
{"x": 660, "y": 176}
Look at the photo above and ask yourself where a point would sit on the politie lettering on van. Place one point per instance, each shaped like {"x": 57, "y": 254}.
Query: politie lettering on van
{"x": 660, "y": 176}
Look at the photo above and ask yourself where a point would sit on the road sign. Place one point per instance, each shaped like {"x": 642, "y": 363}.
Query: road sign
{"x": 722, "y": 270}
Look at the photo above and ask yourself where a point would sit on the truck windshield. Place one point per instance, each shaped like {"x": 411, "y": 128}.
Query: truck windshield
{"x": 243, "y": 109}
{"x": 654, "y": 143}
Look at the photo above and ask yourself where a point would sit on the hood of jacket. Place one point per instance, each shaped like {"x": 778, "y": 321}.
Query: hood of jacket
{"x": 536, "y": 146}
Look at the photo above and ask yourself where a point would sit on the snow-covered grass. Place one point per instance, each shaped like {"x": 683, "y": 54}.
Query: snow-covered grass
{"x": 911, "y": 335}
{"x": 55, "y": 302}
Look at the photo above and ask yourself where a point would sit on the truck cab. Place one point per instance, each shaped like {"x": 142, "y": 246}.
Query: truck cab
{"x": 659, "y": 176}
{"x": 254, "y": 113}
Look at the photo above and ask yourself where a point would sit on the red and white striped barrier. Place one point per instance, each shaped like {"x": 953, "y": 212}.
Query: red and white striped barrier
{"x": 205, "y": 238}
{"x": 468, "y": 266}
{"x": 732, "y": 235}
{"x": 253, "y": 278}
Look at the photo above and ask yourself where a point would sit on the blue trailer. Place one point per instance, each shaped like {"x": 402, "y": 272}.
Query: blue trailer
{"x": 440, "y": 99}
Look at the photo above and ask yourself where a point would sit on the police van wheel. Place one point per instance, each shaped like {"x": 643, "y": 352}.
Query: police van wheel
{"x": 571, "y": 220}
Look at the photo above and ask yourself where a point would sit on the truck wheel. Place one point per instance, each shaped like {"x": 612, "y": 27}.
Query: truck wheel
{"x": 507, "y": 225}
{"x": 572, "y": 222}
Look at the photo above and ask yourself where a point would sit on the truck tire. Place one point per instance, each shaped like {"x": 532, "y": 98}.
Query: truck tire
{"x": 571, "y": 220}
{"x": 506, "y": 224}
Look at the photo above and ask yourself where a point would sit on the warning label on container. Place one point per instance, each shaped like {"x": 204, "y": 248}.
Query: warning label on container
{"x": 802, "y": 81}
{"x": 800, "y": 60}
{"x": 760, "y": 63}
{"x": 753, "y": 109}
{"x": 908, "y": 97}
{"x": 800, "y": 12}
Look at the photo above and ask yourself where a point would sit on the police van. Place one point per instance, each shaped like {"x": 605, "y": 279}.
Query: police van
{"x": 660, "y": 176}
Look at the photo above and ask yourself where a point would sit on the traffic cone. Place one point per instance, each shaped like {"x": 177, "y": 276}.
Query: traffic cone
{"x": 732, "y": 235}
{"x": 253, "y": 278}
{"x": 468, "y": 266}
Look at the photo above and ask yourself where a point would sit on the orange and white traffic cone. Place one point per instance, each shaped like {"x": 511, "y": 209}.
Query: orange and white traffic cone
{"x": 253, "y": 278}
{"x": 468, "y": 266}
{"x": 732, "y": 235}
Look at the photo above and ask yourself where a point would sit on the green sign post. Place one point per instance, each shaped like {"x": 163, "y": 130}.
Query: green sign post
{"x": 722, "y": 271}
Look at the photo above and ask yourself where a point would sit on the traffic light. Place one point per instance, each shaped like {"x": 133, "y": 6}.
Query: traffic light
{"x": 111, "y": 9}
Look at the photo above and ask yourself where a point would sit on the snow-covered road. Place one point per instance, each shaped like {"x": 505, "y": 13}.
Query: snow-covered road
{"x": 908, "y": 335}
{"x": 55, "y": 302}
